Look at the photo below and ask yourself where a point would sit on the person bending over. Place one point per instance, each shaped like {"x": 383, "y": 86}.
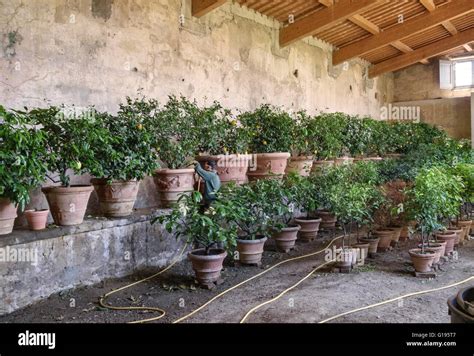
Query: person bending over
{"x": 212, "y": 183}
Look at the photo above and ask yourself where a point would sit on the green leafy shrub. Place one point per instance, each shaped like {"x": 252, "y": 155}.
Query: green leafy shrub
{"x": 327, "y": 135}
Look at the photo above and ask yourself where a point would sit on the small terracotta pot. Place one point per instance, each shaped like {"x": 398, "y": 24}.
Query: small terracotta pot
{"x": 250, "y": 251}
{"x": 397, "y": 231}
{"x": 450, "y": 238}
{"x": 286, "y": 238}
{"x": 230, "y": 168}
{"x": 7, "y": 216}
{"x": 458, "y": 232}
{"x": 37, "y": 218}
{"x": 385, "y": 236}
{"x": 117, "y": 198}
{"x": 207, "y": 267}
{"x": 319, "y": 165}
{"x": 363, "y": 252}
{"x": 268, "y": 165}
{"x": 309, "y": 228}
{"x": 301, "y": 165}
{"x": 421, "y": 262}
{"x": 171, "y": 183}
{"x": 68, "y": 204}
{"x": 373, "y": 243}
{"x": 438, "y": 250}
{"x": 328, "y": 219}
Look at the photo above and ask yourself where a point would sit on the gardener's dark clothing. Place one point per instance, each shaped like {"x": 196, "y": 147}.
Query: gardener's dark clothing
{"x": 212, "y": 183}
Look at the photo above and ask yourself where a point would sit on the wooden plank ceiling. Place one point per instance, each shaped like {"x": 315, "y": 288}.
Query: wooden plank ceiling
{"x": 389, "y": 34}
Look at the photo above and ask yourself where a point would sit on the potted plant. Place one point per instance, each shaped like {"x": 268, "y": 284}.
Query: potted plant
{"x": 434, "y": 194}
{"x": 37, "y": 218}
{"x": 211, "y": 233}
{"x": 223, "y": 139}
{"x": 123, "y": 159}
{"x": 269, "y": 129}
{"x": 69, "y": 134}
{"x": 301, "y": 160}
{"x": 22, "y": 168}
{"x": 466, "y": 172}
{"x": 176, "y": 142}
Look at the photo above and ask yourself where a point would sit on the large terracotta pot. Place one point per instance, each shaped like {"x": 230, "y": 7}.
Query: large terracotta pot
{"x": 230, "y": 168}
{"x": 268, "y": 165}
{"x": 443, "y": 245}
{"x": 450, "y": 238}
{"x": 37, "y": 219}
{"x": 309, "y": 228}
{"x": 7, "y": 216}
{"x": 68, "y": 204}
{"x": 286, "y": 238}
{"x": 373, "y": 243}
{"x": 385, "y": 236}
{"x": 117, "y": 198}
{"x": 207, "y": 267}
{"x": 328, "y": 219}
{"x": 250, "y": 251}
{"x": 397, "y": 231}
{"x": 301, "y": 165}
{"x": 421, "y": 262}
{"x": 438, "y": 250}
{"x": 319, "y": 165}
{"x": 171, "y": 183}
{"x": 466, "y": 226}
{"x": 458, "y": 233}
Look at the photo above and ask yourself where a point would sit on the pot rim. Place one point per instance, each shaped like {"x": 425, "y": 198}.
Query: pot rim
{"x": 301, "y": 158}
{"x": 310, "y": 219}
{"x": 103, "y": 181}
{"x": 413, "y": 252}
{"x": 222, "y": 254}
{"x": 165, "y": 171}
{"x": 33, "y": 211}
{"x": 274, "y": 155}
{"x": 250, "y": 242}
{"x": 71, "y": 189}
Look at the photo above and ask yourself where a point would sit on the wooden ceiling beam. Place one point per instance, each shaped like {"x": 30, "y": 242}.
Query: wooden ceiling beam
{"x": 425, "y": 52}
{"x": 202, "y": 7}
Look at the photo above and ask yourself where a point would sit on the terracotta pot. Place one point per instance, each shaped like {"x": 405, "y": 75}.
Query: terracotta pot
{"x": 397, "y": 231}
{"x": 230, "y": 168}
{"x": 328, "y": 219}
{"x": 373, "y": 243}
{"x": 344, "y": 257}
{"x": 343, "y": 160}
{"x": 68, "y": 204}
{"x": 118, "y": 198}
{"x": 385, "y": 236}
{"x": 250, "y": 251}
{"x": 450, "y": 238}
{"x": 443, "y": 245}
{"x": 171, "y": 183}
{"x": 421, "y": 262}
{"x": 286, "y": 238}
{"x": 37, "y": 218}
{"x": 404, "y": 233}
{"x": 268, "y": 165}
{"x": 363, "y": 252}
{"x": 438, "y": 250}
{"x": 465, "y": 300}
{"x": 301, "y": 165}
{"x": 318, "y": 165}
{"x": 458, "y": 233}
{"x": 207, "y": 267}
{"x": 7, "y": 216}
{"x": 309, "y": 228}
{"x": 466, "y": 226}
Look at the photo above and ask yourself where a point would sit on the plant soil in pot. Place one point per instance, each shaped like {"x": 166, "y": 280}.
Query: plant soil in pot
{"x": 373, "y": 244}
{"x": 7, "y": 216}
{"x": 207, "y": 267}
{"x": 117, "y": 198}
{"x": 465, "y": 300}
{"x": 385, "y": 236}
{"x": 458, "y": 233}
{"x": 301, "y": 165}
{"x": 68, "y": 204}
{"x": 309, "y": 228}
{"x": 363, "y": 249}
{"x": 286, "y": 238}
{"x": 421, "y": 261}
{"x": 268, "y": 165}
{"x": 37, "y": 218}
{"x": 171, "y": 183}
{"x": 449, "y": 238}
{"x": 328, "y": 220}
{"x": 230, "y": 168}
{"x": 250, "y": 251}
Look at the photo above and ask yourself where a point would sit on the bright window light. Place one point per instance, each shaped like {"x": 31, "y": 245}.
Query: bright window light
{"x": 463, "y": 74}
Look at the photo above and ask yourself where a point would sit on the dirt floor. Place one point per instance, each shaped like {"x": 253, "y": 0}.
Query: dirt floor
{"x": 323, "y": 295}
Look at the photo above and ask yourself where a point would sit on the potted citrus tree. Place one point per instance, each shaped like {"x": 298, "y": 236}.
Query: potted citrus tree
{"x": 302, "y": 148}
{"x": 223, "y": 139}
{"x": 211, "y": 233}
{"x": 123, "y": 159}
{"x": 270, "y": 132}
{"x": 176, "y": 141}
{"x": 69, "y": 134}
{"x": 466, "y": 172}
{"x": 22, "y": 167}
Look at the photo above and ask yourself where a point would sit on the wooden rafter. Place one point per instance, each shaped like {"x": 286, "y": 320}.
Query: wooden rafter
{"x": 202, "y": 7}
{"x": 425, "y": 52}
{"x": 409, "y": 27}
{"x": 323, "y": 19}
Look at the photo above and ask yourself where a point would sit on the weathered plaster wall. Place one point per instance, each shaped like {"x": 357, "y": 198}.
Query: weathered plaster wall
{"x": 98, "y": 51}
{"x": 418, "y": 85}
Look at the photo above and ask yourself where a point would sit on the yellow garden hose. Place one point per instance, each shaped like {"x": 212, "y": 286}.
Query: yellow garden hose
{"x": 155, "y": 309}
{"x": 253, "y": 277}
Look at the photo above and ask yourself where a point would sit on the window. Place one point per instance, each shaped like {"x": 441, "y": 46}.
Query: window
{"x": 456, "y": 74}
